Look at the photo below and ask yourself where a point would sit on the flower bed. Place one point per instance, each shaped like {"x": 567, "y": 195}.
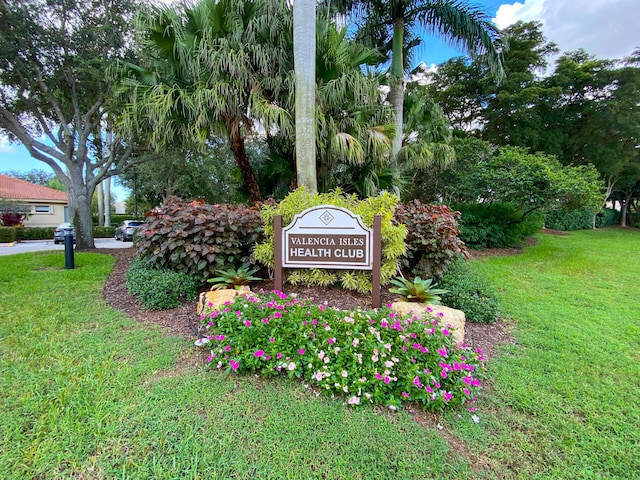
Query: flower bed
{"x": 368, "y": 356}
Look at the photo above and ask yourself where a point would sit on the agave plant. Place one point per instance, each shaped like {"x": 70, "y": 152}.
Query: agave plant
{"x": 418, "y": 290}
{"x": 234, "y": 277}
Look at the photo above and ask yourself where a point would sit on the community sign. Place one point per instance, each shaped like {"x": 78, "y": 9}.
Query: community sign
{"x": 327, "y": 237}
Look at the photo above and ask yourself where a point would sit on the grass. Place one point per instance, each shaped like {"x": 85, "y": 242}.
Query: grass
{"x": 89, "y": 393}
{"x": 565, "y": 398}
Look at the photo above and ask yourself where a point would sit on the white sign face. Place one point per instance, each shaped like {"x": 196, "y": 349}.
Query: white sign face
{"x": 327, "y": 237}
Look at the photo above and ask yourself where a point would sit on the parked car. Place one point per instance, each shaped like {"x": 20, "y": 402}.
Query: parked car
{"x": 61, "y": 230}
{"x": 126, "y": 229}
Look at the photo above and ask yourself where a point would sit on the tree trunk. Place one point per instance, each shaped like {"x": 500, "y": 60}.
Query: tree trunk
{"x": 100, "y": 205}
{"x": 236, "y": 143}
{"x": 624, "y": 208}
{"x": 304, "y": 52}
{"x": 107, "y": 201}
{"x": 80, "y": 194}
{"x": 396, "y": 95}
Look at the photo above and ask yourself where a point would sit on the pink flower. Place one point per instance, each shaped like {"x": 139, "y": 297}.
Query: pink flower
{"x": 447, "y": 396}
{"x": 378, "y": 376}
{"x": 405, "y": 394}
{"x": 354, "y": 401}
{"x": 301, "y": 351}
{"x": 272, "y": 339}
{"x": 384, "y": 324}
{"x": 445, "y": 332}
{"x": 387, "y": 379}
{"x": 227, "y": 348}
{"x": 258, "y": 353}
{"x": 331, "y": 341}
{"x": 466, "y": 392}
{"x": 234, "y": 365}
{"x": 443, "y": 374}
{"x": 277, "y": 315}
{"x": 442, "y": 352}
{"x": 247, "y": 323}
{"x": 279, "y": 356}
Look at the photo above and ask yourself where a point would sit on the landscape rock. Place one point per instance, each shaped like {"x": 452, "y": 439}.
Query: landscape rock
{"x": 450, "y": 316}
{"x": 216, "y": 298}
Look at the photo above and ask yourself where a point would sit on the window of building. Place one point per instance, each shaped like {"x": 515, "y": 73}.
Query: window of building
{"x": 42, "y": 209}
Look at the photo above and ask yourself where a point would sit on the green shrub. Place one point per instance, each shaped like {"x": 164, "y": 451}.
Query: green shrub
{"x": 432, "y": 237}
{"x": 159, "y": 289}
{"x": 103, "y": 232}
{"x": 470, "y": 293}
{"x": 496, "y": 225}
{"x": 369, "y": 357}
{"x": 393, "y": 246}
{"x": 606, "y": 217}
{"x": 197, "y": 239}
{"x": 7, "y": 234}
{"x": 417, "y": 290}
{"x": 117, "y": 218}
{"x": 35, "y": 233}
{"x": 567, "y": 221}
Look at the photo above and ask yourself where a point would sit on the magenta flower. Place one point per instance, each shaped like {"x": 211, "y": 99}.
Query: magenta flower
{"x": 258, "y": 353}
{"x": 247, "y": 323}
{"x": 301, "y": 351}
{"x": 277, "y": 315}
{"x": 445, "y": 332}
{"x": 442, "y": 352}
{"x": 234, "y": 365}
{"x": 447, "y": 396}
{"x": 331, "y": 341}
{"x": 387, "y": 379}
{"x": 227, "y": 348}
{"x": 279, "y": 356}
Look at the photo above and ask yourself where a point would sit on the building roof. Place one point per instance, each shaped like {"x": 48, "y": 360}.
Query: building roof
{"x": 15, "y": 189}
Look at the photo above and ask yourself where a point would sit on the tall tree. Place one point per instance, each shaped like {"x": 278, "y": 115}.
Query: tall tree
{"x": 394, "y": 27}
{"x": 210, "y": 69}
{"x": 304, "y": 53}
{"x": 53, "y": 59}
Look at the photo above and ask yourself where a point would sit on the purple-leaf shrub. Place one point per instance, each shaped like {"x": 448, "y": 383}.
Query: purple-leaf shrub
{"x": 433, "y": 240}
{"x": 197, "y": 239}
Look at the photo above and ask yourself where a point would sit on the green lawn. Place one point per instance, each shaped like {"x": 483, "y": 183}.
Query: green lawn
{"x": 89, "y": 393}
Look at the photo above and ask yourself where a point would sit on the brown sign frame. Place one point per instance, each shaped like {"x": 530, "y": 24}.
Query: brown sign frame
{"x": 320, "y": 230}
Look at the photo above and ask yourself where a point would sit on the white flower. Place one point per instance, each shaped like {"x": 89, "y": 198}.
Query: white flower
{"x": 354, "y": 401}
{"x": 345, "y": 374}
{"x": 291, "y": 366}
{"x": 202, "y": 341}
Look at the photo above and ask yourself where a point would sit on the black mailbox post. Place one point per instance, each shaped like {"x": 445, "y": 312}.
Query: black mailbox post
{"x": 69, "y": 263}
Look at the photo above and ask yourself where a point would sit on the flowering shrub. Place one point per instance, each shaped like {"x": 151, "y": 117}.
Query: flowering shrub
{"x": 370, "y": 357}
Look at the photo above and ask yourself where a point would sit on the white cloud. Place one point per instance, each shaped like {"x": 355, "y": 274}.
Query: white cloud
{"x": 5, "y": 146}
{"x": 605, "y": 28}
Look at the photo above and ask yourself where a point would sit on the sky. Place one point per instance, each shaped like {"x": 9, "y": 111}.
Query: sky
{"x": 604, "y": 28}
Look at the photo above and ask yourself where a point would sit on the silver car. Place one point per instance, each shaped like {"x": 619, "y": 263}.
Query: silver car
{"x": 61, "y": 230}
{"x": 126, "y": 230}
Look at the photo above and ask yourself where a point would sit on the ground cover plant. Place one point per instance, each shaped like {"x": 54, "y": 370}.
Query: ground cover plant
{"x": 87, "y": 393}
{"x": 369, "y": 357}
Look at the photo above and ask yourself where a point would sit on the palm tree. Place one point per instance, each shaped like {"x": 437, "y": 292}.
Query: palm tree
{"x": 394, "y": 27}
{"x": 213, "y": 68}
{"x": 304, "y": 53}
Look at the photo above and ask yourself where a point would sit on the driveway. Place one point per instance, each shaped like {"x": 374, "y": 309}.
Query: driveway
{"x": 43, "y": 245}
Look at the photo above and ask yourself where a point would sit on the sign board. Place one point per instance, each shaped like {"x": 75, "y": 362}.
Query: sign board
{"x": 327, "y": 237}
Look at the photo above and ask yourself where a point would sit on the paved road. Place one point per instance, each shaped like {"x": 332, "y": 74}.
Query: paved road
{"x": 41, "y": 245}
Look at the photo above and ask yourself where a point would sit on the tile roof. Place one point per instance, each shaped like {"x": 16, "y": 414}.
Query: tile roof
{"x": 15, "y": 189}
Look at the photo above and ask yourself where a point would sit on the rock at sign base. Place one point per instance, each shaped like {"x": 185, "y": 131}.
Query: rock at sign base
{"x": 450, "y": 316}
{"x": 214, "y": 299}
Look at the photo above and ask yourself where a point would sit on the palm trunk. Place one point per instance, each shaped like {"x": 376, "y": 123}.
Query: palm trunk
{"x": 396, "y": 95}
{"x": 236, "y": 143}
{"x": 304, "y": 53}
{"x": 100, "y": 205}
{"x": 107, "y": 202}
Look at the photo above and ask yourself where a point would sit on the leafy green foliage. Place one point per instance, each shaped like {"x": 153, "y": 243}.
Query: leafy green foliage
{"x": 469, "y": 292}
{"x": 393, "y": 246}
{"x": 234, "y": 277}
{"x": 371, "y": 357}
{"x": 197, "y": 239}
{"x": 104, "y": 232}
{"x": 7, "y": 234}
{"x": 432, "y": 237}
{"x": 606, "y": 217}
{"x": 496, "y": 225}
{"x": 159, "y": 289}
{"x": 35, "y": 233}
{"x": 418, "y": 290}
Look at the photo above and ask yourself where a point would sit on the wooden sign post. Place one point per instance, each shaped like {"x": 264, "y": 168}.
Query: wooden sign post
{"x": 329, "y": 237}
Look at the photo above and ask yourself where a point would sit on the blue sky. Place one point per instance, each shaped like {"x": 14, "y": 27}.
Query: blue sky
{"x": 605, "y": 28}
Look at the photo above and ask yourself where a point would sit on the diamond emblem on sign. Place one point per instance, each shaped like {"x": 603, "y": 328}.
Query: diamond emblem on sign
{"x": 326, "y": 217}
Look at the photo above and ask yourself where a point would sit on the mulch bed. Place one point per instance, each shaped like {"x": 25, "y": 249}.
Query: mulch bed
{"x": 183, "y": 321}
